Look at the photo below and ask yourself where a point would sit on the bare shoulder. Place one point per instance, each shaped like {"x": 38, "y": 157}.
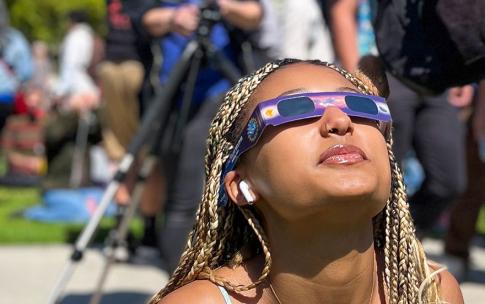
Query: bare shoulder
{"x": 204, "y": 291}
{"x": 450, "y": 289}
{"x": 198, "y": 292}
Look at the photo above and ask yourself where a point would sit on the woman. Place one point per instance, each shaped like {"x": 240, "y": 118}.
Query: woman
{"x": 310, "y": 209}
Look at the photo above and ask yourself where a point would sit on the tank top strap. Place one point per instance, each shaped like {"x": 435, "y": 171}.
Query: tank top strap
{"x": 225, "y": 295}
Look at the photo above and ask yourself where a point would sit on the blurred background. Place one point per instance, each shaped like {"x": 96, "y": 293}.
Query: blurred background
{"x": 77, "y": 77}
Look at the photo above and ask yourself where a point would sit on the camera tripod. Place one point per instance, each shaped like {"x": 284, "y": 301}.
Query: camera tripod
{"x": 154, "y": 121}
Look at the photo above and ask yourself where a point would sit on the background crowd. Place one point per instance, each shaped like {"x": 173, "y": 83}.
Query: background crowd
{"x": 69, "y": 111}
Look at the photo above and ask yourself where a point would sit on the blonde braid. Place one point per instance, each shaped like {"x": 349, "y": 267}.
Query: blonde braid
{"x": 387, "y": 246}
{"x": 226, "y": 226}
{"x": 258, "y": 230}
{"x": 407, "y": 275}
{"x": 207, "y": 227}
{"x": 405, "y": 262}
{"x": 229, "y": 111}
{"x": 220, "y": 235}
{"x": 197, "y": 256}
{"x": 399, "y": 254}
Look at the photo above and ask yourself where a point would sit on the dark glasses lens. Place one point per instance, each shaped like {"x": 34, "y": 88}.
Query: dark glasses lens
{"x": 295, "y": 106}
{"x": 361, "y": 104}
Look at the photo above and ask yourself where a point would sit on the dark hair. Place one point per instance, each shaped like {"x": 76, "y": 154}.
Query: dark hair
{"x": 78, "y": 16}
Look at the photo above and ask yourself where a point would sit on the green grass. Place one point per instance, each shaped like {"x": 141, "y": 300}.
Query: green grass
{"x": 14, "y": 229}
{"x": 481, "y": 221}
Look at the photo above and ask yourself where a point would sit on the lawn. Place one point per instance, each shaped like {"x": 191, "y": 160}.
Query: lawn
{"x": 481, "y": 222}
{"x": 15, "y": 229}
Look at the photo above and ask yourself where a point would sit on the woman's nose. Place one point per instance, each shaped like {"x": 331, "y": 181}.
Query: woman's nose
{"x": 334, "y": 121}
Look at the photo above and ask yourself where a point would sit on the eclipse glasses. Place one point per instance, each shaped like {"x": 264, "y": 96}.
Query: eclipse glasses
{"x": 290, "y": 108}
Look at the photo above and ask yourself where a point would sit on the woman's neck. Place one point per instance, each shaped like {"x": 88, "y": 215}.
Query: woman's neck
{"x": 313, "y": 263}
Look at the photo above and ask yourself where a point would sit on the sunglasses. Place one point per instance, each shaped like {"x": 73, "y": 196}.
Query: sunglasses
{"x": 290, "y": 108}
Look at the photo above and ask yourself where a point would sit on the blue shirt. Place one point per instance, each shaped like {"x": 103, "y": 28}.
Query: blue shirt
{"x": 15, "y": 64}
{"x": 365, "y": 35}
{"x": 210, "y": 82}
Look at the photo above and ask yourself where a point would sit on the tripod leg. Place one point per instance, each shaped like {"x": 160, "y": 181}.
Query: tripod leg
{"x": 82, "y": 134}
{"x": 226, "y": 67}
{"x": 83, "y": 240}
{"x": 187, "y": 100}
{"x": 247, "y": 56}
{"x": 121, "y": 232}
{"x": 158, "y": 111}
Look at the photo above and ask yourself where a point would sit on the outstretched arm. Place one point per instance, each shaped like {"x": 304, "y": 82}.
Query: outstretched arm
{"x": 245, "y": 15}
{"x": 343, "y": 26}
{"x": 160, "y": 21}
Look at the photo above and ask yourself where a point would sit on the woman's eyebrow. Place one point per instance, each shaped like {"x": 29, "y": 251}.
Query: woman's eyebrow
{"x": 303, "y": 90}
{"x": 293, "y": 91}
{"x": 346, "y": 89}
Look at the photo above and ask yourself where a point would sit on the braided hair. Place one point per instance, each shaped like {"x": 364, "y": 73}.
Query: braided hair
{"x": 231, "y": 234}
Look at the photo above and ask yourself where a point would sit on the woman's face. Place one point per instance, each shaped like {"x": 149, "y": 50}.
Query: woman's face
{"x": 335, "y": 164}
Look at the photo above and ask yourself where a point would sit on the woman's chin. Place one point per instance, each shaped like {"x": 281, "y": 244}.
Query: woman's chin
{"x": 352, "y": 199}
{"x": 351, "y": 188}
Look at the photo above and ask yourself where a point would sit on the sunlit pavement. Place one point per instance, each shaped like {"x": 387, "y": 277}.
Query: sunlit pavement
{"x": 474, "y": 287}
{"x": 28, "y": 273}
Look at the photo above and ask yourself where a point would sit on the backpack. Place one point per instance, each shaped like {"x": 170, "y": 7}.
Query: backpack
{"x": 431, "y": 45}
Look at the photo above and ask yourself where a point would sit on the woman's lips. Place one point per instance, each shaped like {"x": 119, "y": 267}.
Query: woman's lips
{"x": 342, "y": 155}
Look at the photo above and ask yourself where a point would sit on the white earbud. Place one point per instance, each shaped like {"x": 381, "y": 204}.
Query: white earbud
{"x": 248, "y": 196}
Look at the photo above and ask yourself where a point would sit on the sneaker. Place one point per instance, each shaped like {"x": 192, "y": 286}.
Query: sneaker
{"x": 120, "y": 253}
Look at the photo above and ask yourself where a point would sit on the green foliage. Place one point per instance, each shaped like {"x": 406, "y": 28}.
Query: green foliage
{"x": 47, "y": 19}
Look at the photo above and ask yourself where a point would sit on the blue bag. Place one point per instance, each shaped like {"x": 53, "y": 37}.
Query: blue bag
{"x": 68, "y": 205}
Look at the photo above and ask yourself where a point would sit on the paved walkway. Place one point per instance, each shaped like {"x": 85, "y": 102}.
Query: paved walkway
{"x": 28, "y": 273}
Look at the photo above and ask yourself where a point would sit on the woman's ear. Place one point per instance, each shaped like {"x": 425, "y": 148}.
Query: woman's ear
{"x": 239, "y": 190}
{"x": 372, "y": 72}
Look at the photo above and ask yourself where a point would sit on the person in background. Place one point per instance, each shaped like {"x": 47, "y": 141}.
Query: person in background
{"x": 25, "y": 153}
{"x": 120, "y": 77}
{"x": 419, "y": 118}
{"x": 75, "y": 95}
{"x": 43, "y": 72}
{"x": 76, "y": 89}
{"x": 303, "y": 30}
{"x": 175, "y": 23}
{"x": 352, "y": 20}
{"x": 38, "y": 95}
{"x": 15, "y": 64}
{"x": 464, "y": 212}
